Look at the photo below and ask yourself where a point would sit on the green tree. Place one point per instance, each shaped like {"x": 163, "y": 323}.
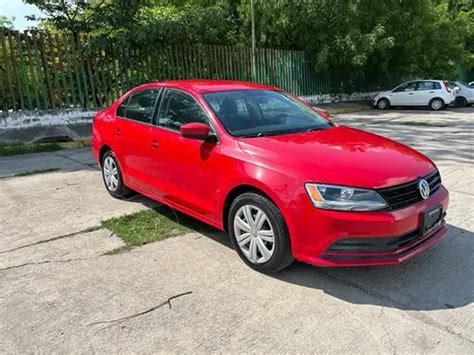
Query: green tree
{"x": 356, "y": 39}
{"x": 394, "y": 38}
{"x": 6, "y": 22}
{"x": 74, "y": 16}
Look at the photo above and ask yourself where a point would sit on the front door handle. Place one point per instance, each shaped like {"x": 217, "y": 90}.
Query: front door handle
{"x": 118, "y": 132}
{"x": 154, "y": 144}
{"x": 410, "y": 93}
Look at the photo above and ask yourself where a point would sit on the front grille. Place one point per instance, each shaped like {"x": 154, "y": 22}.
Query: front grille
{"x": 404, "y": 195}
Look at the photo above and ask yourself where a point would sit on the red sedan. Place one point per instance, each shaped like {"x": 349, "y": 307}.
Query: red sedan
{"x": 282, "y": 179}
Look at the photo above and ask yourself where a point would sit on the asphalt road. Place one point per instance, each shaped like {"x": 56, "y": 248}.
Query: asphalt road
{"x": 60, "y": 292}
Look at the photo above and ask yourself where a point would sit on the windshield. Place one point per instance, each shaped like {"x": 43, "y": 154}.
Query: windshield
{"x": 257, "y": 113}
{"x": 462, "y": 83}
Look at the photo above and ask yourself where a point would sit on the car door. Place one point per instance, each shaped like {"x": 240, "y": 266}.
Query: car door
{"x": 184, "y": 169}
{"x": 404, "y": 95}
{"x": 134, "y": 117}
{"x": 425, "y": 91}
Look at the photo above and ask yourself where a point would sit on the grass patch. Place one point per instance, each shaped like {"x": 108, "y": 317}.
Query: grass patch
{"x": 146, "y": 226}
{"x": 14, "y": 149}
{"x": 152, "y": 225}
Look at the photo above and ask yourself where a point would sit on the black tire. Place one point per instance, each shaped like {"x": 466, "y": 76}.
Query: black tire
{"x": 383, "y": 104}
{"x": 121, "y": 191}
{"x": 282, "y": 256}
{"x": 461, "y": 101}
{"x": 437, "y": 104}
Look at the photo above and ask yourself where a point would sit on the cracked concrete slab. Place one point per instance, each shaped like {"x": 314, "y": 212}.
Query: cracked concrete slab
{"x": 230, "y": 307}
{"x": 60, "y": 293}
{"x": 43, "y": 206}
{"x": 72, "y": 246}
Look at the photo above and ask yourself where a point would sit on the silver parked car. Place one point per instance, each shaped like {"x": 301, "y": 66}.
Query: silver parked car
{"x": 463, "y": 92}
{"x": 435, "y": 94}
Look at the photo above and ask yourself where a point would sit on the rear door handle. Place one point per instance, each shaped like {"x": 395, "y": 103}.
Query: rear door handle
{"x": 154, "y": 144}
{"x": 410, "y": 93}
{"x": 431, "y": 92}
{"x": 118, "y": 132}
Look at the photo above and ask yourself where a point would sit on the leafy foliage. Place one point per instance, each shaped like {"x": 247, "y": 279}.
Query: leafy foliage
{"x": 403, "y": 38}
{"x": 6, "y": 22}
{"x": 396, "y": 38}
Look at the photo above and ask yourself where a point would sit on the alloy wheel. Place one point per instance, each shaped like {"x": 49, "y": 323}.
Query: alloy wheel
{"x": 382, "y": 104}
{"x": 436, "y": 104}
{"x": 254, "y": 234}
{"x": 110, "y": 172}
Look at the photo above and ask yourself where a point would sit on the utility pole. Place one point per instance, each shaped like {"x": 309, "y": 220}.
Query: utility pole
{"x": 254, "y": 64}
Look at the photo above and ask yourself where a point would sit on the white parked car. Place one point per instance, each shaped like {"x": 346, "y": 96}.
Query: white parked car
{"x": 435, "y": 94}
{"x": 464, "y": 93}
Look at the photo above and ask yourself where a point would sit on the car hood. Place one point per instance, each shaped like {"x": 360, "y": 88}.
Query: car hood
{"x": 341, "y": 155}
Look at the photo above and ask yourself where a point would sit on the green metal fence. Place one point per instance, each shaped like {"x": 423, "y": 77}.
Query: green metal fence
{"x": 44, "y": 71}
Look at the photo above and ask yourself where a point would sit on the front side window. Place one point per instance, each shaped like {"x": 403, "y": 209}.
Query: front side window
{"x": 178, "y": 108}
{"x": 140, "y": 105}
{"x": 248, "y": 113}
{"x": 407, "y": 87}
{"x": 122, "y": 107}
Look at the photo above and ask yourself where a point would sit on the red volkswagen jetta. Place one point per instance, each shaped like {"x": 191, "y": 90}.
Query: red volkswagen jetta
{"x": 282, "y": 179}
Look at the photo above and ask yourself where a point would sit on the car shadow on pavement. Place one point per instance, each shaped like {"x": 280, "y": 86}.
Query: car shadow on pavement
{"x": 187, "y": 221}
{"x": 440, "y": 278}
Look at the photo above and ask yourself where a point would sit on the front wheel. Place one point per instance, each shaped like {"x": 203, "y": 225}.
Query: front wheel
{"x": 383, "y": 104}
{"x": 437, "y": 104}
{"x": 461, "y": 101}
{"x": 259, "y": 233}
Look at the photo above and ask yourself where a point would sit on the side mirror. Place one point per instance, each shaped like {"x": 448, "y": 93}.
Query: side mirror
{"x": 456, "y": 89}
{"x": 195, "y": 130}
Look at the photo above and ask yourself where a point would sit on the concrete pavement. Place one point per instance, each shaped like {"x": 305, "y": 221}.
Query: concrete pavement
{"x": 61, "y": 292}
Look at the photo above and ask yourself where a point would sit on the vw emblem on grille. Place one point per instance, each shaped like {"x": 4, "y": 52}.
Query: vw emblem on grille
{"x": 424, "y": 188}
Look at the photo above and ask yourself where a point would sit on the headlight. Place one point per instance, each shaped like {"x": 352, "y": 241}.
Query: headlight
{"x": 344, "y": 198}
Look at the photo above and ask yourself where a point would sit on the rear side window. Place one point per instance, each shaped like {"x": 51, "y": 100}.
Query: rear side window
{"x": 139, "y": 106}
{"x": 428, "y": 85}
{"x": 178, "y": 108}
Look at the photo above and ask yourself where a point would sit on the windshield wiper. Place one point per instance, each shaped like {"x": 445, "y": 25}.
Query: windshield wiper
{"x": 266, "y": 134}
{"x": 253, "y": 135}
{"x": 315, "y": 129}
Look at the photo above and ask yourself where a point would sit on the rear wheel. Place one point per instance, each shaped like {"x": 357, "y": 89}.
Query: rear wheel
{"x": 383, "y": 104}
{"x": 437, "y": 104}
{"x": 259, "y": 234}
{"x": 112, "y": 176}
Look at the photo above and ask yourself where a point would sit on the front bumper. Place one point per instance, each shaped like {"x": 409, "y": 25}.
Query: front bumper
{"x": 396, "y": 235}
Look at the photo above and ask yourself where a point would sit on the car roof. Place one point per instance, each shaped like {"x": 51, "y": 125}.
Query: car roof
{"x": 203, "y": 86}
{"x": 411, "y": 81}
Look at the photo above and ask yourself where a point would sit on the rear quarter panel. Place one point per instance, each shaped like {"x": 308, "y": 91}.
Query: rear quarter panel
{"x": 103, "y": 131}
